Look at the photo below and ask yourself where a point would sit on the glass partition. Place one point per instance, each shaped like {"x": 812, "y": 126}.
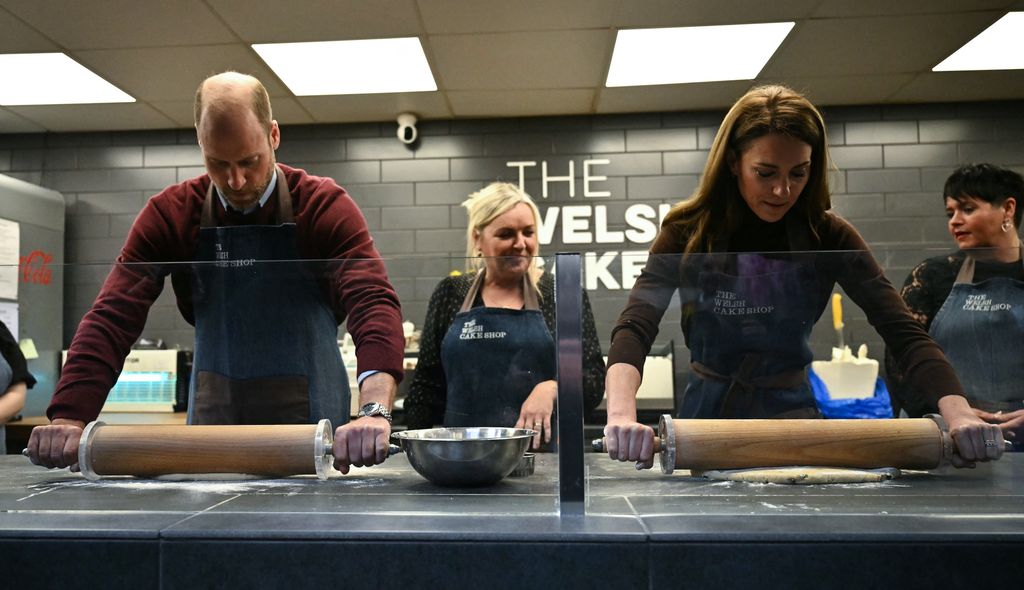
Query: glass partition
{"x": 250, "y": 341}
{"x": 725, "y": 338}
{"x": 730, "y": 336}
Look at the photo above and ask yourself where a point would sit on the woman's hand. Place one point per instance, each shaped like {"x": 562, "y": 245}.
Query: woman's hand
{"x": 628, "y": 440}
{"x": 536, "y": 411}
{"x": 1011, "y": 423}
{"x": 975, "y": 439}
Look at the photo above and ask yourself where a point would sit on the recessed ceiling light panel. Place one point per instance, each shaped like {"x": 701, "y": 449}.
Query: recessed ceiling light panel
{"x": 681, "y": 55}
{"x": 369, "y": 66}
{"x": 51, "y": 79}
{"x": 999, "y": 47}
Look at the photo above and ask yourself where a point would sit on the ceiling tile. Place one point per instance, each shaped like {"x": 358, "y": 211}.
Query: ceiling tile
{"x": 676, "y": 13}
{"x": 873, "y": 45}
{"x": 833, "y": 8}
{"x": 174, "y": 73}
{"x": 96, "y": 117}
{"x": 846, "y": 90}
{"x": 18, "y": 37}
{"x": 12, "y": 123}
{"x": 287, "y": 111}
{"x": 500, "y": 61}
{"x": 479, "y": 16}
{"x": 375, "y": 107}
{"x": 319, "y": 20}
{"x": 671, "y": 97}
{"x": 121, "y": 23}
{"x": 520, "y": 103}
{"x": 962, "y": 86}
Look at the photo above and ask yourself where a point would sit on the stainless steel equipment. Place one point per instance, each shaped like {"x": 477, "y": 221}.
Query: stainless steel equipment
{"x": 464, "y": 457}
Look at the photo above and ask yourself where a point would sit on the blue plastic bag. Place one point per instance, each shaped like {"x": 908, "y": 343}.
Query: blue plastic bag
{"x": 877, "y": 406}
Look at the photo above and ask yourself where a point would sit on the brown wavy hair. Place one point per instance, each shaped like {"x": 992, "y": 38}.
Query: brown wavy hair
{"x": 714, "y": 209}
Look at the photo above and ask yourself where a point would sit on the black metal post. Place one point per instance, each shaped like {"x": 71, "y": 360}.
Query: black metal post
{"x": 569, "y": 342}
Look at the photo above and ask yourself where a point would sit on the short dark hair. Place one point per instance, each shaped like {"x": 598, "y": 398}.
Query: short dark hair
{"x": 987, "y": 182}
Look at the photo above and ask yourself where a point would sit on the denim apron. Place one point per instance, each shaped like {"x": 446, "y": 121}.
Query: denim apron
{"x": 980, "y": 327}
{"x": 493, "y": 358}
{"x": 748, "y": 338}
{"x": 6, "y": 376}
{"x": 266, "y": 337}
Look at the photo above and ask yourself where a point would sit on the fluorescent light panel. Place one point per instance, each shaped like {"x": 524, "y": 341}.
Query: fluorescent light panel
{"x": 999, "y": 47}
{"x": 52, "y": 78}
{"x": 370, "y": 66}
{"x": 681, "y": 55}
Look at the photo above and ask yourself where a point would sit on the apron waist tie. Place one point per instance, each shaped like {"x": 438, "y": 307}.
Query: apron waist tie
{"x": 741, "y": 383}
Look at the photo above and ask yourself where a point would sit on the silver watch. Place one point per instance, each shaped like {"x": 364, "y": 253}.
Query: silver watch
{"x": 374, "y": 409}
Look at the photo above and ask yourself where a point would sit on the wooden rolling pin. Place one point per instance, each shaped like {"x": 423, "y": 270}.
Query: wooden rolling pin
{"x": 920, "y": 443}
{"x": 151, "y": 450}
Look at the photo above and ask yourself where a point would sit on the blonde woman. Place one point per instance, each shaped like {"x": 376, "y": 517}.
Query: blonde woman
{"x": 487, "y": 353}
{"x": 749, "y": 308}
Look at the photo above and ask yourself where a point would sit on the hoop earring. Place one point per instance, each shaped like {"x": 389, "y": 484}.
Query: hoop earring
{"x": 1006, "y": 225}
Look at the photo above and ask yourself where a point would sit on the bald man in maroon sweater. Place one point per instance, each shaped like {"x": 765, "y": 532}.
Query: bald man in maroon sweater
{"x": 233, "y": 241}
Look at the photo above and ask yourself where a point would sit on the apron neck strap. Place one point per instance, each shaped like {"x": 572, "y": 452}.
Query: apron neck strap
{"x": 530, "y": 300}
{"x": 284, "y": 203}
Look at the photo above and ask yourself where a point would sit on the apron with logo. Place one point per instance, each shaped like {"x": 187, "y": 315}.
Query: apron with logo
{"x": 6, "y": 376}
{"x": 266, "y": 338}
{"x": 979, "y": 327}
{"x": 748, "y": 339}
{"x": 493, "y": 358}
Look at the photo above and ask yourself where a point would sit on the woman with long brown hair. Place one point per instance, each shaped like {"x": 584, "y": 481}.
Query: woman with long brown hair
{"x": 754, "y": 255}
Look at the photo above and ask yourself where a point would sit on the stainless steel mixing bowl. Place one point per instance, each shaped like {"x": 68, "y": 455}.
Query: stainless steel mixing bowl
{"x": 463, "y": 457}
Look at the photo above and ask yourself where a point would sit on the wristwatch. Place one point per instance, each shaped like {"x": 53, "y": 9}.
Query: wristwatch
{"x": 374, "y": 409}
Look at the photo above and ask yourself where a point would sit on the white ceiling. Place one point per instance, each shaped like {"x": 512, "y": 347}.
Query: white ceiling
{"x": 491, "y": 58}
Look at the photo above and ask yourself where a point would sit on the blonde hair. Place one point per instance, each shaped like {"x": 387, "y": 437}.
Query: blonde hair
{"x": 715, "y": 206}
{"x": 486, "y": 205}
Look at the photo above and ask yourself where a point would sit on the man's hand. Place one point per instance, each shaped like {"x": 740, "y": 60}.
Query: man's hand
{"x": 56, "y": 444}
{"x": 362, "y": 442}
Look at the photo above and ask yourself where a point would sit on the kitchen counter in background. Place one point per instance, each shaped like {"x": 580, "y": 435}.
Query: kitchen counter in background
{"x": 386, "y": 526}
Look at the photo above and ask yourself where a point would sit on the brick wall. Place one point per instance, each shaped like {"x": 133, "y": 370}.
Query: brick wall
{"x": 892, "y": 162}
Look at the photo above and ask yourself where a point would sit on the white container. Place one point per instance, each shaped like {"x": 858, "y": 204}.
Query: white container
{"x": 847, "y": 377}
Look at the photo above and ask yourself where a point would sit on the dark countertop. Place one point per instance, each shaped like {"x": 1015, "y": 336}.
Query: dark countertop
{"x": 628, "y": 512}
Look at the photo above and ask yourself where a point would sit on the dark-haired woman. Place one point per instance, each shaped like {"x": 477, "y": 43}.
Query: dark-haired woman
{"x": 754, "y": 256}
{"x": 972, "y": 301}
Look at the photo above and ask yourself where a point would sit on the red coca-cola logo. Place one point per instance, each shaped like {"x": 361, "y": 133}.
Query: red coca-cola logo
{"x": 34, "y": 268}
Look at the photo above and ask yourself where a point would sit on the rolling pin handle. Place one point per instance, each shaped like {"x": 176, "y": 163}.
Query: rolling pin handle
{"x": 598, "y": 445}
{"x": 394, "y": 450}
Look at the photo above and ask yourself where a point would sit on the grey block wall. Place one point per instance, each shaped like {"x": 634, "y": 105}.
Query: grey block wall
{"x": 891, "y": 160}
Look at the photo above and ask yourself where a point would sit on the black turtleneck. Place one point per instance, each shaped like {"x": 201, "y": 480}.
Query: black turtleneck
{"x": 757, "y": 235}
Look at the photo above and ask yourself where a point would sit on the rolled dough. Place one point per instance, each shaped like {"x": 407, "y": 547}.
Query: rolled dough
{"x": 802, "y": 475}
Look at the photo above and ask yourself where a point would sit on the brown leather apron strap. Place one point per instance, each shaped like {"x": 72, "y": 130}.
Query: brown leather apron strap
{"x": 530, "y": 300}
{"x": 739, "y": 397}
{"x": 285, "y": 214}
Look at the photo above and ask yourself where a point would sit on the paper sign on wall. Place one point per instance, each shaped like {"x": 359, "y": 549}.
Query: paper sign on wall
{"x": 9, "y": 316}
{"x": 10, "y": 245}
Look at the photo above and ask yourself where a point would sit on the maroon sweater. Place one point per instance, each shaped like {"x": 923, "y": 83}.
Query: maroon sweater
{"x": 329, "y": 227}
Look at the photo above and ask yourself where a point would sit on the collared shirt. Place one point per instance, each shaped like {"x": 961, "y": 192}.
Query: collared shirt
{"x": 263, "y": 200}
